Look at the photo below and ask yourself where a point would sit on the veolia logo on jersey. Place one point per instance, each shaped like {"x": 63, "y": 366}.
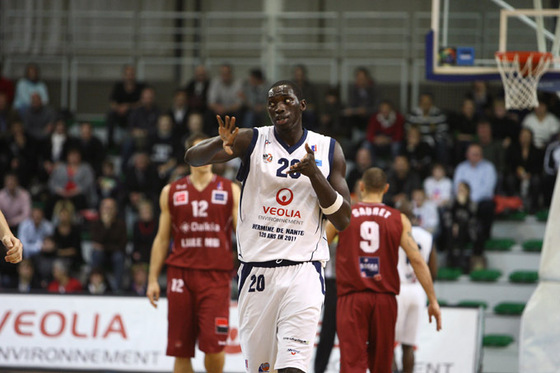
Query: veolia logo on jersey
{"x": 284, "y": 196}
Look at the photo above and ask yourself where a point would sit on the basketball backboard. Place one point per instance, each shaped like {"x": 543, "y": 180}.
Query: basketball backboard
{"x": 465, "y": 35}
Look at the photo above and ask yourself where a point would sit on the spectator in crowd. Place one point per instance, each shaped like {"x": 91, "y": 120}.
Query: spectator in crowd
{"x": 433, "y": 126}
{"x": 460, "y": 227}
{"x": 362, "y": 100}
{"x": 125, "y": 96}
{"x": 141, "y": 181}
{"x": 15, "y": 202}
{"x": 362, "y": 163}
{"x": 27, "y": 280}
{"x": 62, "y": 282}
{"x": 417, "y": 151}
{"x": 57, "y": 145}
{"x": 139, "y": 276}
{"x": 463, "y": 126}
{"x": 492, "y": 150}
{"x": 22, "y": 154}
{"x": 6, "y": 86}
{"x": 504, "y": 127}
{"x": 109, "y": 184}
{"x": 425, "y": 211}
{"x": 179, "y": 113}
{"x": 551, "y": 166}
{"x": 438, "y": 187}
{"x": 197, "y": 90}
{"x": 109, "y": 239}
{"x": 43, "y": 261}
{"x": 385, "y": 131}
{"x": 27, "y": 86}
{"x": 254, "y": 95}
{"x": 67, "y": 235}
{"x": 32, "y": 231}
{"x": 91, "y": 147}
{"x": 543, "y": 124}
{"x": 73, "y": 180}
{"x": 97, "y": 283}
{"x": 330, "y": 122}
{"x": 224, "y": 97}
{"x": 144, "y": 232}
{"x": 38, "y": 119}
{"x": 524, "y": 173}
{"x": 403, "y": 180}
{"x": 309, "y": 90}
{"x": 481, "y": 98}
{"x": 165, "y": 149}
{"x": 7, "y": 116}
{"x": 481, "y": 176}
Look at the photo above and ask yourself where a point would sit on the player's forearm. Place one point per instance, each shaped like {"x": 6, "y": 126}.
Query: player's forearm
{"x": 204, "y": 152}
{"x": 4, "y": 227}
{"x": 157, "y": 258}
{"x": 327, "y": 196}
{"x": 424, "y": 277}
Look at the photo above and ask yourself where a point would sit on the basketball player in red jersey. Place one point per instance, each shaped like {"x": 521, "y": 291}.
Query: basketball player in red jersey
{"x": 199, "y": 213}
{"x": 367, "y": 279}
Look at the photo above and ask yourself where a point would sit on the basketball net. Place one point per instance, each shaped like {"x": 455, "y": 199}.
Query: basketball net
{"x": 521, "y": 72}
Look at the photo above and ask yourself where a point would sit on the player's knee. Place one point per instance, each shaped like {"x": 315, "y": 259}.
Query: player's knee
{"x": 290, "y": 370}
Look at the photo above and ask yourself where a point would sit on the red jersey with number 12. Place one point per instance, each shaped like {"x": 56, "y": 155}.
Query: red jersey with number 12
{"x": 201, "y": 224}
{"x": 368, "y": 250}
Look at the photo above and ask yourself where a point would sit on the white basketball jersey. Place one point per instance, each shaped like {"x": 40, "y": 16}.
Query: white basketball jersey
{"x": 279, "y": 213}
{"x": 424, "y": 240}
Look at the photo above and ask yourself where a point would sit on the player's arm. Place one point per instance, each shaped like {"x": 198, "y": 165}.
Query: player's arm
{"x": 159, "y": 248}
{"x": 232, "y": 142}
{"x": 333, "y": 194}
{"x": 236, "y": 192}
{"x": 432, "y": 263}
{"x": 420, "y": 269}
{"x": 12, "y": 244}
{"x": 332, "y": 232}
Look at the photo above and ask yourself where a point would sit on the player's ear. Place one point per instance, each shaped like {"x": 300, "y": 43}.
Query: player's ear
{"x": 386, "y": 188}
{"x": 303, "y": 104}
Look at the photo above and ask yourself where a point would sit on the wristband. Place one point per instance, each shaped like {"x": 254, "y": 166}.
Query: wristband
{"x": 335, "y": 206}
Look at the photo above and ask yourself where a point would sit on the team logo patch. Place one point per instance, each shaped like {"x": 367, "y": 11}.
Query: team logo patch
{"x": 184, "y": 227}
{"x": 267, "y": 157}
{"x": 284, "y": 196}
{"x": 314, "y": 148}
{"x": 318, "y": 162}
{"x": 265, "y": 367}
{"x": 293, "y": 351}
{"x": 219, "y": 197}
{"x": 181, "y": 186}
{"x": 369, "y": 266}
{"x": 222, "y": 325}
{"x": 180, "y": 198}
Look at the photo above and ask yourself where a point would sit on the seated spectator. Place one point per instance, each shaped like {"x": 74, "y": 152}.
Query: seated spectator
{"x": 385, "y": 132}
{"x": 463, "y": 126}
{"x": 254, "y": 94}
{"x": 109, "y": 184}
{"x": 27, "y": 281}
{"x": 15, "y": 202}
{"x": 55, "y": 149}
{"x": 438, "y": 187}
{"x": 109, "y": 239}
{"x": 179, "y": 113}
{"x": 97, "y": 283}
{"x": 62, "y": 282}
{"x": 141, "y": 181}
{"x": 417, "y": 151}
{"x": 93, "y": 151}
{"x": 224, "y": 98}
{"x": 165, "y": 149}
{"x": 139, "y": 281}
{"x": 432, "y": 123}
{"x": 7, "y": 116}
{"x": 524, "y": 173}
{"x": 144, "y": 233}
{"x": 362, "y": 163}
{"x": 125, "y": 96}
{"x": 73, "y": 180}
{"x": 330, "y": 122}
{"x": 38, "y": 119}
{"x": 43, "y": 261}
{"x": 481, "y": 176}
{"x": 7, "y": 88}
{"x": 425, "y": 211}
{"x": 481, "y": 98}
{"x": 362, "y": 100}
{"x": 27, "y": 86}
{"x": 197, "y": 90}
{"x": 23, "y": 155}
{"x": 67, "y": 235}
{"x": 402, "y": 180}
{"x": 504, "y": 127}
{"x": 32, "y": 231}
{"x": 309, "y": 90}
{"x": 492, "y": 150}
{"x": 543, "y": 124}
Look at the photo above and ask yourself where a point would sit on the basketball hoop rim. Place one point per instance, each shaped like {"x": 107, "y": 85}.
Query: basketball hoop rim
{"x": 523, "y": 56}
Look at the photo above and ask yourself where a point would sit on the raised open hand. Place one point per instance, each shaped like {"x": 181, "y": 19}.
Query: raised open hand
{"x": 228, "y": 132}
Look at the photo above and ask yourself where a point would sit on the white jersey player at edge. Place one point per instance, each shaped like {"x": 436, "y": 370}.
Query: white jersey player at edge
{"x": 411, "y": 300}
{"x": 293, "y": 181}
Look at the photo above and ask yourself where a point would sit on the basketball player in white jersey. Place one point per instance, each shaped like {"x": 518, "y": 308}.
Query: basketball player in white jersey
{"x": 293, "y": 182}
{"x": 411, "y": 300}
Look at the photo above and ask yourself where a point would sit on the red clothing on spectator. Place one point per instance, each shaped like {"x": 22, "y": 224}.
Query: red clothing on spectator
{"x": 7, "y": 86}
{"x": 73, "y": 286}
{"x": 392, "y": 126}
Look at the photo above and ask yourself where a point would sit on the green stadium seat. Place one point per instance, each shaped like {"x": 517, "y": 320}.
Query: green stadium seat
{"x": 485, "y": 275}
{"x": 449, "y": 274}
{"x": 497, "y": 340}
{"x": 499, "y": 244}
{"x": 533, "y": 245}
{"x": 524, "y": 277}
{"x": 473, "y": 304}
{"x": 542, "y": 215}
{"x": 509, "y": 308}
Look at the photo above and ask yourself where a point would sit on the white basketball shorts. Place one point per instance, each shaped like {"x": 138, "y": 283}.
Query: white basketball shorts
{"x": 279, "y": 309}
{"x": 411, "y": 306}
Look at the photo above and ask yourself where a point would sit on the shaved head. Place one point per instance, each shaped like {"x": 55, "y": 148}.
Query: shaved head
{"x": 374, "y": 180}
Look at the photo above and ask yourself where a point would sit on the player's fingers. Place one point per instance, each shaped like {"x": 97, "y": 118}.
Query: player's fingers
{"x": 232, "y": 122}
{"x": 439, "y": 326}
{"x": 13, "y": 258}
{"x": 308, "y": 149}
{"x": 220, "y": 121}
{"x": 153, "y": 299}
{"x": 8, "y": 242}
